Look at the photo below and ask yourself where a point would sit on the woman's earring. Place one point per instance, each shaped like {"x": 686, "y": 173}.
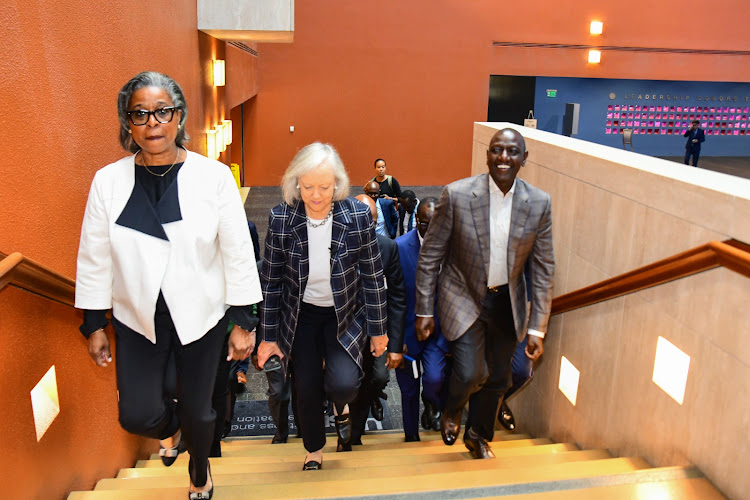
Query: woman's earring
{"x": 297, "y": 186}
{"x": 130, "y": 131}
{"x": 335, "y": 188}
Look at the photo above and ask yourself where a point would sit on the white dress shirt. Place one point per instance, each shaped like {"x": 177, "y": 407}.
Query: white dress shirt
{"x": 501, "y": 206}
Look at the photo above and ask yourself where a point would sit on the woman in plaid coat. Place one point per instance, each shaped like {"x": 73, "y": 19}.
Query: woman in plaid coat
{"x": 324, "y": 293}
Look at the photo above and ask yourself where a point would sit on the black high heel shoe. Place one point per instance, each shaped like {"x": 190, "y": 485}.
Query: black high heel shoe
{"x": 343, "y": 428}
{"x": 202, "y": 495}
{"x": 169, "y": 455}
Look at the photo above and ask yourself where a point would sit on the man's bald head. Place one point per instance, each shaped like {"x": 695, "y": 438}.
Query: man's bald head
{"x": 508, "y": 132}
{"x": 370, "y": 203}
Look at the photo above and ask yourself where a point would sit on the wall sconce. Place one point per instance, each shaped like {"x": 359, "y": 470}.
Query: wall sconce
{"x": 45, "y": 402}
{"x": 219, "y": 73}
{"x": 220, "y": 146}
{"x": 671, "y": 367}
{"x": 596, "y": 27}
{"x": 211, "y": 150}
{"x": 595, "y": 56}
{"x": 227, "y": 131}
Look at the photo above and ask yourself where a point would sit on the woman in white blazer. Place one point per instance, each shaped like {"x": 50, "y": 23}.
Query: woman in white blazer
{"x": 165, "y": 245}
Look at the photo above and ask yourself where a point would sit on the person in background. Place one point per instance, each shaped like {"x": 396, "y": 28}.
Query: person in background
{"x": 407, "y": 212}
{"x": 389, "y": 187}
{"x": 325, "y": 298}
{"x": 695, "y": 137}
{"x": 376, "y": 369}
{"x": 164, "y": 244}
{"x": 485, "y": 230}
{"x": 386, "y": 222}
{"x": 430, "y": 355}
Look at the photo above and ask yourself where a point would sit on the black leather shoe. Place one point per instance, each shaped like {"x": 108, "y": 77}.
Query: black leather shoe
{"x": 279, "y": 438}
{"x": 436, "y": 420}
{"x": 343, "y": 447}
{"x": 312, "y": 465}
{"x": 477, "y": 445}
{"x": 411, "y": 438}
{"x": 343, "y": 428}
{"x": 428, "y": 416}
{"x": 376, "y": 408}
{"x": 450, "y": 425}
{"x": 505, "y": 417}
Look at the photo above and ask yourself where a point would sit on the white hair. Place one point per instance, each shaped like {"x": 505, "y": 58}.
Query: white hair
{"x": 307, "y": 159}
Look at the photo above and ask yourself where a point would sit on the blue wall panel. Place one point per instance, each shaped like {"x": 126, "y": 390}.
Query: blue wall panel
{"x": 597, "y": 95}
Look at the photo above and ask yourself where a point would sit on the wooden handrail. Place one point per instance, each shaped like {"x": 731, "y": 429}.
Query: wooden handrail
{"x": 26, "y": 274}
{"x": 731, "y": 254}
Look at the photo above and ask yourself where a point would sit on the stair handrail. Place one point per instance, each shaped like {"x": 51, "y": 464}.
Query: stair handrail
{"x": 25, "y": 273}
{"x": 732, "y": 254}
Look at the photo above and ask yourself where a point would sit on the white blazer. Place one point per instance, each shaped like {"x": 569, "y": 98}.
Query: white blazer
{"x": 206, "y": 265}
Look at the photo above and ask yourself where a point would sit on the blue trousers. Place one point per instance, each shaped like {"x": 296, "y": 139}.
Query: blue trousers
{"x": 521, "y": 368}
{"x": 431, "y": 363}
{"x": 696, "y": 153}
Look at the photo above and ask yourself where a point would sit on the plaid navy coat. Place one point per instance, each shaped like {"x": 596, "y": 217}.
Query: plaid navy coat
{"x": 356, "y": 276}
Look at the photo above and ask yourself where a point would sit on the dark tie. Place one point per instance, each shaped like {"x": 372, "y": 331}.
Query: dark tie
{"x": 410, "y": 226}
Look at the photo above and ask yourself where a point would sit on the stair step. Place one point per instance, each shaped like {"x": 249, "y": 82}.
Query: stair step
{"x": 390, "y": 439}
{"x": 366, "y": 485}
{"x": 338, "y": 461}
{"x": 338, "y": 471}
{"x": 679, "y": 489}
{"x": 370, "y": 437}
{"x": 273, "y": 452}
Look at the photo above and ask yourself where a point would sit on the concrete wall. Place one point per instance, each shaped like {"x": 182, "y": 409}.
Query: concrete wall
{"x": 614, "y": 211}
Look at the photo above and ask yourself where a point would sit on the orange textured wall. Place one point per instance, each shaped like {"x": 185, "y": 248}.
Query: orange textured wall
{"x": 61, "y": 66}
{"x": 406, "y": 80}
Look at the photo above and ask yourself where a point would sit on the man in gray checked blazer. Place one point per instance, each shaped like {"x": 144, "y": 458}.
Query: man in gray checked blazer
{"x": 485, "y": 230}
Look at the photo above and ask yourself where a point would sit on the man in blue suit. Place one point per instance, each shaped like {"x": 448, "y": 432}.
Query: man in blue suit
{"x": 429, "y": 355}
{"x": 387, "y": 223}
{"x": 695, "y": 137}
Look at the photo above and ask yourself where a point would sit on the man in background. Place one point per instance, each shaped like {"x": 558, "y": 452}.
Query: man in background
{"x": 429, "y": 356}
{"x": 386, "y": 222}
{"x": 407, "y": 212}
{"x": 695, "y": 137}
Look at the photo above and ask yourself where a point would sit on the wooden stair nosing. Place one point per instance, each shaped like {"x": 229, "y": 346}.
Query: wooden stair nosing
{"x": 370, "y": 437}
{"x": 698, "y": 488}
{"x": 377, "y": 486}
{"x": 334, "y": 473}
{"x": 370, "y": 445}
{"x": 231, "y": 466}
{"x": 281, "y": 451}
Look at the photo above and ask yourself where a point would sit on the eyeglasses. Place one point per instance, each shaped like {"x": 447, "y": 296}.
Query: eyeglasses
{"x": 141, "y": 116}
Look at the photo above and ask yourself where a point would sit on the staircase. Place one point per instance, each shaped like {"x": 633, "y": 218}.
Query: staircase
{"x": 387, "y": 468}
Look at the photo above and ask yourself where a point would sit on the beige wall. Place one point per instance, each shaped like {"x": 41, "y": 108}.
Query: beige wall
{"x": 614, "y": 211}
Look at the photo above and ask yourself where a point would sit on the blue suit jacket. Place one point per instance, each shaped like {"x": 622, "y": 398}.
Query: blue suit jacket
{"x": 694, "y": 146}
{"x": 408, "y": 251}
{"x": 356, "y": 276}
{"x": 391, "y": 216}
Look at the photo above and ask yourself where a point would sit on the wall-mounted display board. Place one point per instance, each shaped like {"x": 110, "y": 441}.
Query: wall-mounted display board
{"x": 658, "y": 111}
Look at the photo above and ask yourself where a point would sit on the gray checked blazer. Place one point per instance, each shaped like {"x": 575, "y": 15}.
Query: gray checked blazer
{"x": 357, "y": 282}
{"x": 458, "y": 239}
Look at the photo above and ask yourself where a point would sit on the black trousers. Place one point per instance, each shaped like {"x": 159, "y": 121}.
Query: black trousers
{"x": 482, "y": 364}
{"x": 146, "y": 397}
{"x": 279, "y": 393}
{"x": 315, "y": 341}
